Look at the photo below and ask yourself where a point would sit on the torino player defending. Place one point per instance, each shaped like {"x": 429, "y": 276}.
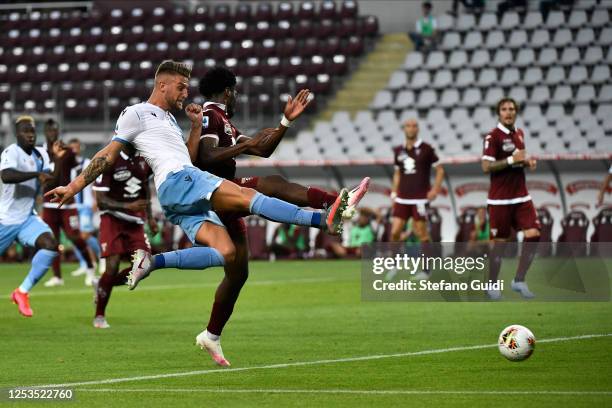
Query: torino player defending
{"x": 23, "y": 168}
{"x": 66, "y": 218}
{"x": 411, "y": 190}
{"x": 509, "y": 203}
{"x": 220, "y": 143}
{"x": 188, "y": 195}
{"x": 122, "y": 193}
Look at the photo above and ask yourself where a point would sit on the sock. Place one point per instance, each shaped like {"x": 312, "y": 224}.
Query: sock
{"x": 57, "y": 271}
{"x": 282, "y": 211}
{"x": 318, "y": 198}
{"x": 82, "y": 246}
{"x": 93, "y": 243}
{"x": 213, "y": 337}
{"x": 41, "y": 261}
{"x": 495, "y": 260}
{"x": 528, "y": 253}
{"x": 79, "y": 256}
{"x": 219, "y": 315}
{"x": 105, "y": 287}
{"x": 190, "y": 258}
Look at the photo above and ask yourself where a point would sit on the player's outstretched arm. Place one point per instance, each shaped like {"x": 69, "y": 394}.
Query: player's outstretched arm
{"x": 195, "y": 113}
{"x": 518, "y": 158}
{"x": 102, "y": 161}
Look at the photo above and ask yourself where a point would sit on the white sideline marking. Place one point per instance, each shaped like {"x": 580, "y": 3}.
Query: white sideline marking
{"x": 303, "y": 363}
{"x": 88, "y": 291}
{"x": 340, "y": 391}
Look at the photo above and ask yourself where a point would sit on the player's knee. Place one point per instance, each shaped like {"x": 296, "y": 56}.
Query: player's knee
{"x": 272, "y": 184}
{"x": 46, "y": 241}
{"x": 228, "y": 252}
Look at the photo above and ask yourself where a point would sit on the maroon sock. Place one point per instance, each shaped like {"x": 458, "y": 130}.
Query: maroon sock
{"x": 219, "y": 315}
{"x": 82, "y": 246}
{"x": 105, "y": 288}
{"x": 57, "y": 272}
{"x": 318, "y": 198}
{"x": 121, "y": 277}
{"x": 528, "y": 253}
{"x": 495, "y": 260}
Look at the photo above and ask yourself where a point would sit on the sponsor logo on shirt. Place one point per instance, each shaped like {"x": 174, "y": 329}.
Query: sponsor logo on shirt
{"x": 122, "y": 175}
{"x": 508, "y": 145}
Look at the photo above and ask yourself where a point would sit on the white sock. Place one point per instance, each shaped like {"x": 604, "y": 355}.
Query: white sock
{"x": 211, "y": 336}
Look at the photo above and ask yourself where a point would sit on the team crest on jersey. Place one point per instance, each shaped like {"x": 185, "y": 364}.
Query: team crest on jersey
{"x": 508, "y": 145}
{"x": 228, "y": 129}
{"x": 205, "y": 122}
{"x": 494, "y": 231}
{"x": 122, "y": 175}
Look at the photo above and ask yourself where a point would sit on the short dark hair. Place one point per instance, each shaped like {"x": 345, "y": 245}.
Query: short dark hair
{"x": 173, "y": 67}
{"x": 427, "y": 5}
{"x": 504, "y": 100}
{"x": 74, "y": 140}
{"x": 216, "y": 80}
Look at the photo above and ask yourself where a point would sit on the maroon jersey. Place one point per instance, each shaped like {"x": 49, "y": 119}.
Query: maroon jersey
{"x": 66, "y": 164}
{"x": 415, "y": 170}
{"x": 125, "y": 182}
{"x": 508, "y": 185}
{"x": 216, "y": 125}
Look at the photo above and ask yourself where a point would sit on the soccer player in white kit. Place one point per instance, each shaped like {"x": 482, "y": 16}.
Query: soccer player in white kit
{"x": 187, "y": 194}
{"x": 23, "y": 168}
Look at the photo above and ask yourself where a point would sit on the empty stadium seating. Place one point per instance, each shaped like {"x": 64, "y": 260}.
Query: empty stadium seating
{"x": 107, "y": 53}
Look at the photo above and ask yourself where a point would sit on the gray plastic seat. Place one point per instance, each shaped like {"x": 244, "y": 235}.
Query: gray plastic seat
{"x": 413, "y": 61}
{"x": 585, "y": 37}
{"x": 600, "y": 74}
{"x": 578, "y": 75}
{"x": 420, "y": 79}
{"x": 465, "y": 22}
{"x": 554, "y": 113}
{"x": 603, "y": 111}
{"x": 445, "y": 22}
{"x": 404, "y": 99}
{"x": 562, "y": 38}
{"x": 483, "y": 115}
{"x": 493, "y": 95}
{"x": 362, "y": 117}
{"x": 408, "y": 114}
{"x": 510, "y": 20}
{"x": 599, "y": 18}
{"x": 519, "y": 93}
{"x": 547, "y": 57}
{"x": 488, "y": 21}
{"x": 594, "y": 55}
{"x": 383, "y": 99}
{"x": 398, "y": 80}
{"x": 518, "y": 39}
{"x": 457, "y": 59}
{"x": 605, "y": 36}
{"x": 427, "y": 99}
{"x": 577, "y": 145}
{"x": 509, "y": 77}
{"x": 605, "y": 94}
{"x": 609, "y": 56}
{"x": 465, "y": 78}
{"x": 495, "y": 39}
{"x": 479, "y": 59}
{"x": 502, "y": 58}
{"x": 555, "y": 19}
{"x": 525, "y": 58}
{"x": 570, "y": 56}
{"x": 577, "y": 19}
{"x": 442, "y": 79}
{"x": 585, "y": 94}
{"x": 459, "y": 115}
{"x": 532, "y": 112}
{"x": 449, "y": 98}
{"x": 554, "y": 76}
{"x": 471, "y": 97}
{"x": 540, "y": 94}
{"x": 533, "y": 20}
{"x": 532, "y": 76}
{"x": 562, "y": 94}
{"x": 450, "y": 41}
{"x": 435, "y": 60}
{"x": 540, "y": 38}
{"x": 487, "y": 77}
{"x": 473, "y": 40}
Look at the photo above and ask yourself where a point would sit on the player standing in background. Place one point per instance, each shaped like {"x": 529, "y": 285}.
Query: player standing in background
{"x": 23, "y": 168}
{"x": 509, "y": 202}
{"x": 411, "y": 190}
{"x": 122, "y": 193}
{"x": 67, "y": 217}
{"x": 85, "y": 206}
{"x": 604, "y": 187}
{"x": 220, "y": 143}
{"x": 188, "y": 195}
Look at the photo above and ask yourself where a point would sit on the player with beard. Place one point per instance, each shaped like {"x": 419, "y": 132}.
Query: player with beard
{"x": 220, "y": 143}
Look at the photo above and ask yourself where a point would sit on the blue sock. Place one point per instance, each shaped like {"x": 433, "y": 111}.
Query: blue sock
{"x": 191, "y": 258}
{"x": 92, "y": 242}
{"x": 80, "y": 257}
{"x": 40, "y": 263}
{"x": 282, "y": 211}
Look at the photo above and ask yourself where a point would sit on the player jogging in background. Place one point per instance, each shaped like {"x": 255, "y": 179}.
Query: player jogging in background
{"x": 85, "y": 206}
{"x": 411, "y": 190}
{"x": 122, "y": 193}
{"x": 220, "y": 143}
{"x": 67, "y": 217}
{"x": 23, "y": 168}
{"x": 509, "y": 202}
{"x": 188, "y": 195}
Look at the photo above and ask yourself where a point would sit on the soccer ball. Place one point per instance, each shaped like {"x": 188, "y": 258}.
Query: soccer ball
{"x": 516, "y": 342}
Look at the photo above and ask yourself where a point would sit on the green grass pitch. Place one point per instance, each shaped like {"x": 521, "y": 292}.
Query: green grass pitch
{"x": 291, "y": 313}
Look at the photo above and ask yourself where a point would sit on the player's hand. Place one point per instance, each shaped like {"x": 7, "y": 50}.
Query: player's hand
{"x": 44, "y": 178}
{"x": 195, "y": 113}
{"x": 153, "y": 227}
{"x": 295, "y": 106}
{"x": 532, "y": 164}
{"x": 58, "y": 149}
{"x": 136, "y": 206}
{"x": 61, "y": 194}
{"x": 432, "y": 194}
{"x": 519, "y": 156}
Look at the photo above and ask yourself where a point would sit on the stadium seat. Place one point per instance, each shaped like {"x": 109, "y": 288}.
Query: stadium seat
{"x": 413, "y": 61}
{"x": 450, "y": 41}
{"x": 442, "y": 79}
{"x": 562, "y": 94}
{"x": 584, "y": 37}
{"x": 555, "y": 19}
{"x": 547, "y": 57}
{"x": 603, "y": 111}
{"x": 509, "y": 21}
{"x": 519, "y": 93}
{"x": 570, "y": 56}
{"x": 600, "y": 74}
{"x": 449, "y": 98}
{"x": 532, "y": 76}
{"x": 435, "y": 60}
{"x": 533, "y": 20}
{"x": 405, "y": 99}
{"x": 585, "y": 93}
{"x": 540, "y": 38}
{"x": 605, "y": 36}
{"x": 594, "y": 55}
{"x": 495, "y": 39}
{"x": 465, "y": 78}
{"x": 465, "y": 22}
{"x": 540, "y": 94}
{"x": 493, "y": 95}
{"x": 554, "y": 113}
{"x": 445, "y": 22}
{"x": 509, "y": 77}
{"x": 426, "y": 99}
{"x": 578, "y": 74}
{"x": 599, "y": 19}
{"x": 605, "y": 94}
{"x": 525, "y": 58}
{"x": 554, "y": 76}
{"x": 488, "y": 21}
{"x": 398, "y": 80}
{"x": 458, "y": 59}
{"x": 472, "y": 40}
{"x": 487, "y": 77}
{"x": 562, "y": 38}
{"x": 420, "y": 79}
{"x": 383, "y": 99}
{"x": 479, "y": 58}
{"x": 518, "y": 39}
{"x": 471, "y": 97}
{"x": 502, "y": 58}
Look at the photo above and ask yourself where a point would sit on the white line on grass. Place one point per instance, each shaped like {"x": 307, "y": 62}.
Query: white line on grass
{"x": 52, "y": 292}
{"x": 339, "y": 391}
{"x": 305, "y": 363}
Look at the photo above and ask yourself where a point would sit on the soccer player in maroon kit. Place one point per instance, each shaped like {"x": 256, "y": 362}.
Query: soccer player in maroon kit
{"x": 220, "y": 143}
{"x": 67, "y": 217}
{"x": 509, "y": 202}
{"x": 122, "y": 194}
{"x": 411, "y": 191}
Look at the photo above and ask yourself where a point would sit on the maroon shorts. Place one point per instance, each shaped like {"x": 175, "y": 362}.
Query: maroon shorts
{"x": 66, "y": 219}
{"x": 418, "y": 212}
{"x": 119, "y": 237}
{"x": 504, "y": 218}
{"x": 233, "y": 221}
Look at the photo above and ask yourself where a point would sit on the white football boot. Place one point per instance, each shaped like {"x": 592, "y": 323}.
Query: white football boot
{"x": 90, "y": 276}
{"x": 79, "y": 272}
{"x": 523, "y": 289}
{"x": 354, "y": 196}
{"x": 54, "y": 281}
{"x": 141, "y": 268}
{"x": 100, "y": 322}
{"x": 213, "y": 347}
